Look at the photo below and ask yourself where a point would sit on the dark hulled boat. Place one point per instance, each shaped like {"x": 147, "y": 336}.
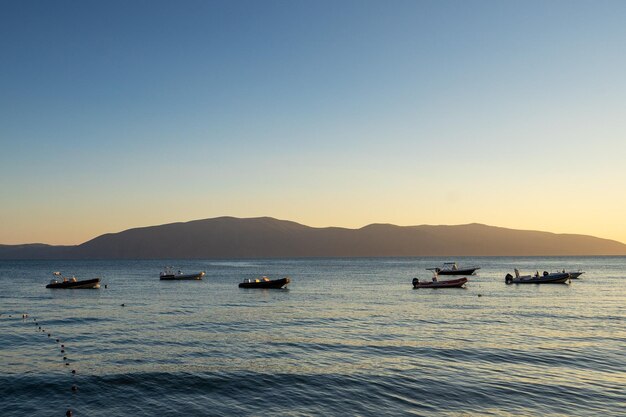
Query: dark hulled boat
{"x": 168, "y": 274}
{"x": 451, "y": 268}
{"x": 70, "y": 284}
{"x": 264, "y": 282}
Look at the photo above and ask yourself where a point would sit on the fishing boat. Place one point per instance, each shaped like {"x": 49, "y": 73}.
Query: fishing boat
{"x": 169, "y": 275}
{"x": 436, "y": 283}
{"x": 60, "y": 281}
{"x": 264, "y": 282}
{"x": 451, "y": 268}
{"x": 545, "y": 278}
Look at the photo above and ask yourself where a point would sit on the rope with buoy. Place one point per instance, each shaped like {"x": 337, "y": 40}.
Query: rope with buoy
{"x": 66, "y": 361}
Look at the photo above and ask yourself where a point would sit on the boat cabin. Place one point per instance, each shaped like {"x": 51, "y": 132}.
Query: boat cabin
{"x": 452, "y": 266}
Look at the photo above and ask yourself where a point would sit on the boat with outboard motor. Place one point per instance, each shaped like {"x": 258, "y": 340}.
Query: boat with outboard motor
{"x": 450, "y": 283}
{"x": 168, "y": 274}
{"x": 62, "y": 282}
{"x": 451, "y": 268}
{"x": 436, "y": 283}
{"x": 264, "y": 282}
{"x": 545, "y": 278}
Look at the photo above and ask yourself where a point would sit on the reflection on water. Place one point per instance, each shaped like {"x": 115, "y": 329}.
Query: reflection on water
{"x": 350, "y": 336}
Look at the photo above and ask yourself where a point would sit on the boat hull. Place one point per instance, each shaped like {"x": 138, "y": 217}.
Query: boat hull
{"x": 451, "y": 283}
{"x": 277, "y": 283}
{"x": 575, "y": 275}
{"x": 182, "y": 277}
{"x": 464, "y": 271}
{"x": 86, "y": 284}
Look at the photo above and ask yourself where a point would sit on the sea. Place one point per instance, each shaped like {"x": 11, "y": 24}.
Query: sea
{"x": 348, "y": 337}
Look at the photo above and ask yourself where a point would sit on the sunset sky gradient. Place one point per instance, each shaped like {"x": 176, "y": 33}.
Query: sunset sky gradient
{"x": 120, "y": 114}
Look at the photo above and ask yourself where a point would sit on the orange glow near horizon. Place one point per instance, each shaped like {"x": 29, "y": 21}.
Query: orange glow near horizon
{"x": 510, "y": 118}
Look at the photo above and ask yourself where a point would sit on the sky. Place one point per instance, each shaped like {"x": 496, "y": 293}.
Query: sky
{"x": 122, "y": 114}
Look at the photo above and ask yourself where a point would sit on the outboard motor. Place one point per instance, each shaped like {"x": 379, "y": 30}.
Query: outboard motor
{"x": 415, "y": 282}
{"x": 508, "y": 278}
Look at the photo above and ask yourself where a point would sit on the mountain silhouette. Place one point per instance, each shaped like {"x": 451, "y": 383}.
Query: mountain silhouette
{"x": 265, "y": 237}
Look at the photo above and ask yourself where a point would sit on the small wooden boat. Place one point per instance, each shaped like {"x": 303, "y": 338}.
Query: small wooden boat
{"x": 73, "y": 283}
{"x": 264, "y": 282}
{"x": 435, "y": 283}
{"x": 168, "y": 274}
{"x": 545, "y": 278}
{"x": 451, "y": 268}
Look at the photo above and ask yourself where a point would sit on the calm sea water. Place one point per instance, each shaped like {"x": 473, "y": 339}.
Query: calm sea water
{"x": 349, "y": 337}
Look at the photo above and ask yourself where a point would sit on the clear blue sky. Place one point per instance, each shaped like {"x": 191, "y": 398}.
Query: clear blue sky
{"x": 116, "y": 114}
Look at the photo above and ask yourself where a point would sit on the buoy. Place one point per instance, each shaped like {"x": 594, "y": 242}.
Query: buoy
{"x": 74, "y": 388}
{"x": 74, "y": 371}
{"x": 122, "y": 305}
{"x": 62, "y": 346}
{"x": 48, "y": 334}
{"x": 63, "y": 351}
{"x": 67, "y": 364}
{"x": 480, "y": 295}
{"x": 106, "y": 286}
{"x": 64, "y": 358}
{"x": 57, "y": 340}
{"x": 68, "y": 413}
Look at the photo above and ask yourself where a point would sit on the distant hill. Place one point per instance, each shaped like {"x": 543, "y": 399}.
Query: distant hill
{"x": 265, "y": 237}
{"x": 36, "y": 251}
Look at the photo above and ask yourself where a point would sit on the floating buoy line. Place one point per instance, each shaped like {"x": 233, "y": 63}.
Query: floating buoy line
{"x": 62, "y": 347}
